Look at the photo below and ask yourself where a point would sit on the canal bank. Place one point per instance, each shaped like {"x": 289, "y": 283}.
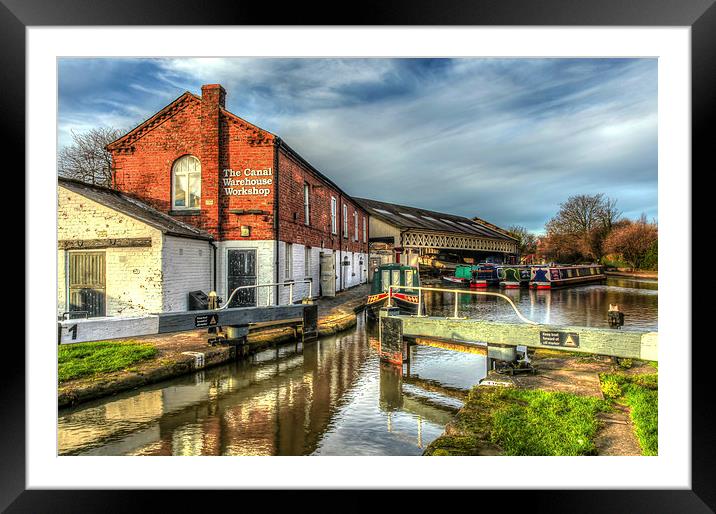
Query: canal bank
{"x": 186, "y": 352}
{"x": 572, "y": 405}
{"x": 333, "y": 397}
{"x": 652, "y": 275}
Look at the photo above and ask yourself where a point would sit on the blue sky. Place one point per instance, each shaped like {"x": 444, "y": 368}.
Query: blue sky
{"x": 503, "y": 139}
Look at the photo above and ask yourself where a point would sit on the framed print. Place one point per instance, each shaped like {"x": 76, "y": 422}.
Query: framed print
{"x": 415, "y": 249}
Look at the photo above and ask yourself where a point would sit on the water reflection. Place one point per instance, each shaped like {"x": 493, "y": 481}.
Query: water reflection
{"x": 582, "y": 306}
{"x": 326, "y": 397}
{"x": 330, "y": 397}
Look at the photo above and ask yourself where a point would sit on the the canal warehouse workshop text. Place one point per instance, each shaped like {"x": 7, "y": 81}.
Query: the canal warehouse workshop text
{"x": 207, "y": 201}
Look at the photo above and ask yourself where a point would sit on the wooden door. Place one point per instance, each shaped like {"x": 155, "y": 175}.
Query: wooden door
{"x": 328, "y": 274}
{"x": 241, "y": 271}
{"x": 87, "y": 283}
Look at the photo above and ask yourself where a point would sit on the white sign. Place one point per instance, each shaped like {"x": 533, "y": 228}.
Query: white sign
{"x": 244, "y": 182}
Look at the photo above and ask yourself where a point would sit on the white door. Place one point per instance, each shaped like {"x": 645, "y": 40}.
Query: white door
{"x": 328, "y": 274}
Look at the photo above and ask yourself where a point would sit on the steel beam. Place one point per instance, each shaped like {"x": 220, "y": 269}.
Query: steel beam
{"x": 623, "y": 343}
{"x": 98, "y": 329}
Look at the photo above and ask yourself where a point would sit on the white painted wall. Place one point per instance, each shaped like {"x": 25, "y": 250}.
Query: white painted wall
{"x": 264, "y": 266}
{"x": 186, "y": 266}
{"x": 351, "y": 274}
{"x": 133, "y": 275}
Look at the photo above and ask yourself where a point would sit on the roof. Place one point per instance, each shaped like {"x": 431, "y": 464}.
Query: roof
{"x": 187, "y": 98}
{"x": 126, "y": 204}
{"x": 406, "y": 218}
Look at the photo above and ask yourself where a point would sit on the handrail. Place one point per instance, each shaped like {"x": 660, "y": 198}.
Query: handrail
{"x": 457, "y": 293}
{"x": 290, "y": 284}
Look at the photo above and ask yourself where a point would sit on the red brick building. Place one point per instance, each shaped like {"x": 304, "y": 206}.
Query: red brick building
{"x": 274, "y": 217}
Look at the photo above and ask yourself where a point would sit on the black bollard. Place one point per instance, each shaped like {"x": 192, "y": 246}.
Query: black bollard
{"x": 615, "y": 317}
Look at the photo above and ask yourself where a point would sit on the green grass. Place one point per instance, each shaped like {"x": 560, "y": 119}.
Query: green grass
{"x": 86, "y": 359}
{"x": 546, "y": 423}
{"x": 523, "y": 422}
{"x": 641, "y": 394}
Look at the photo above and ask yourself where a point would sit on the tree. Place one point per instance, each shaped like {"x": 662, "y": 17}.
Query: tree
{"x": 527, "y": 241}
{"x": 579, "y": 228}
{"x": 86, "y": 159}
{"x": 636, "y": 242}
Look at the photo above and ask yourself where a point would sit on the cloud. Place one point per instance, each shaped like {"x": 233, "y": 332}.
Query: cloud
{"x": 503, "y": 139}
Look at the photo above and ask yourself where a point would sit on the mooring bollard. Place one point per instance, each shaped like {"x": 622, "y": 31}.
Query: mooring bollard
{"x": 615, "y": 316}
{"x": 309, "y": 330}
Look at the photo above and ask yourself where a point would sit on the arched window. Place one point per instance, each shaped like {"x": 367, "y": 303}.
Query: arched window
{"x": 186, "y": 178}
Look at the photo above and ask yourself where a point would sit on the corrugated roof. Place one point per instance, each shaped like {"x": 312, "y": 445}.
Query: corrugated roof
{"x": 405, "y": 217}
{"x": 134, "y": 208}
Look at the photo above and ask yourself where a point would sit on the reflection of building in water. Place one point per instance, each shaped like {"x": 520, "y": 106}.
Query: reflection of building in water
{"x": 279, "y": 405}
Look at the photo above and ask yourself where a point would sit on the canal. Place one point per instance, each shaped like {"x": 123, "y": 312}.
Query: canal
{"x": 332, "y": 396}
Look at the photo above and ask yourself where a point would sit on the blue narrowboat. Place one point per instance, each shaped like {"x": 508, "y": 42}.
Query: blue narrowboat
{"x": 549, "y": 277}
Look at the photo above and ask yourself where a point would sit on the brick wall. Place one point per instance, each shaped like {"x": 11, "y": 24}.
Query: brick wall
{"x": 293, "y": 176}
{"x": 221, "y": 141}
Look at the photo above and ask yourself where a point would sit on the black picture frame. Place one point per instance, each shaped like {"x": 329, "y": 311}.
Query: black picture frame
{"x": 17, "y": 15}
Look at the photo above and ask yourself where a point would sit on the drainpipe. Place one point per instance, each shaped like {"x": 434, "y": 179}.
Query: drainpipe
{"x": 277, "y": 147}
{"x": 340, "y": 240}
{"x": 216, "y": 248}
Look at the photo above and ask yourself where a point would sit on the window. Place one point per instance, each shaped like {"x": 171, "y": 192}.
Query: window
{"x": 365, "y": 232}
{"x": 307, "y": 262}
{"x": 355, "y": 225}
{"x": 289, "y": 261}
{"x": 409, "y": 279}
{"x": 345, "y": 221}
{"x": 334, "y": 222}
{"x": 306, "y": 206}
{"x": 186, "y": 178}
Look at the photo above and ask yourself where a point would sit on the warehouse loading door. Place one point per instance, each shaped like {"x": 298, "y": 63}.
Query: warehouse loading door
{"x": 87, "y": 283}
{"x": 328, "y": 275}
{"x": 242, "y": 272}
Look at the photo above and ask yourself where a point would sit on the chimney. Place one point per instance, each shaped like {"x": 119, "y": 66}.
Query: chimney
{"x": 214, "y": 95}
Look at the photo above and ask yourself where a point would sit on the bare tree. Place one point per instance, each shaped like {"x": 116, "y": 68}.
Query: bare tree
{"x": 86, "y": 159}
{"x": 527, "y": 241}
{"x": 579, "y": 228}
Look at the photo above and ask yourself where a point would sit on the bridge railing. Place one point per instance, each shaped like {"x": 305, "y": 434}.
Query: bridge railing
{"x": 457, "y": 293}
{"x": 269, "y": 297}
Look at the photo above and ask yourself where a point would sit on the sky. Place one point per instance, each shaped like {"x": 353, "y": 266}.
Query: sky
{"x": 507, "y": 140}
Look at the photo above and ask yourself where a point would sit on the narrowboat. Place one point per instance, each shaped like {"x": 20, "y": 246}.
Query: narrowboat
{"x": 512, "y": 277}
{"x": 474, "y": 275}
{"x": 463, "y": 274}
{"x": 386, "y": 275}
{"x": 548, "y": 277}
{"x": 486, "y": 275}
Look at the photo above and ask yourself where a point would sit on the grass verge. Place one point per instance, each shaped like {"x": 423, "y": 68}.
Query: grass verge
{"x": 86, "y": 359}
{"x": 522, "y": 422}
{"x": 641, "y": 394}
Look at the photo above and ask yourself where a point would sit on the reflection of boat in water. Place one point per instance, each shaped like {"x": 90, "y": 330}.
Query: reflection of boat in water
{"x": 548, "y": 277}
{"x": 387, "y": 275}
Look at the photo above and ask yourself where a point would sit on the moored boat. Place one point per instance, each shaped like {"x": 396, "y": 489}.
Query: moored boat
{"x": 513, "y": 276}
{"x": 405, "y": 298}
{"x": 463, "y": 275}
{"x": 549, "y": 277}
